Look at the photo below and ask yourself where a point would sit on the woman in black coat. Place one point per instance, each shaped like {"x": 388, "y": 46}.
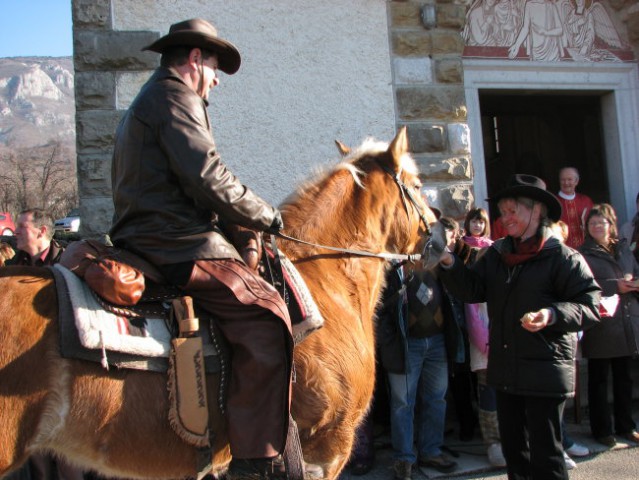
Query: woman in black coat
{"x": 538, "y": 291}
{"x": 611, "y": 345}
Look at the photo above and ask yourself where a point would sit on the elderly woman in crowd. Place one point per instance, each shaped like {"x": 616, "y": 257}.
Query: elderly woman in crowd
{"x": 538, "y": 291}
{"x": 610, "y": 346}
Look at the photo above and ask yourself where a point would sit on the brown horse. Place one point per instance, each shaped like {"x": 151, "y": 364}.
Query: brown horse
{"x": 116, "y": 423}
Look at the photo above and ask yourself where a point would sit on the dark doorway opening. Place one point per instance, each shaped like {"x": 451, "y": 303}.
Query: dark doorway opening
{"x": 538, "y": 133}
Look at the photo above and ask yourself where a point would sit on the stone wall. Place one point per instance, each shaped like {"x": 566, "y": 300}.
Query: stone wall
{"x": 426, "y": 49}
{"x": 98, "y": 55}
{"x": 422, "y": 46}
{"x": 311, "y": 72}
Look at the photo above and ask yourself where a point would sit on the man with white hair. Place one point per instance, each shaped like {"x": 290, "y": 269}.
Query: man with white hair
{"x": 575, "y": 206}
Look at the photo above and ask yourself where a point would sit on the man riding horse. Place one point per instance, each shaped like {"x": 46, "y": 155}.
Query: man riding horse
{"x": 172, "y": 194}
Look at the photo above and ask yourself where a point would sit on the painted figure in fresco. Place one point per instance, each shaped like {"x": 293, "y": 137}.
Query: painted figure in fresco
{"x": 541, "y": 32}
{"x": 585, "y": 21}
{"x": 480, "y": 24}
{"x": 492, "y": 23}
{"x": 508, "y": 17}
{"x": 550, "y": 30}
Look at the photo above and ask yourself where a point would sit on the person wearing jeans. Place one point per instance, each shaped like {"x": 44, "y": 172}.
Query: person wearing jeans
{"x": 426, "y": 378}
{"x": 413, "y": 353}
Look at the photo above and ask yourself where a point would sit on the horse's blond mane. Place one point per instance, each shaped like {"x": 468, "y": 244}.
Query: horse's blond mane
{"x": 370, "y": 146}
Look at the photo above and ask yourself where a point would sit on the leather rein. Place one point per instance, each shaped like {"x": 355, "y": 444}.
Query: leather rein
{"x": 405, "y": 191}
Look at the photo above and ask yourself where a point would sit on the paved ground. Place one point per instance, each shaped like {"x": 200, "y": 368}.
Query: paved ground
{"x": 620, "y": 463}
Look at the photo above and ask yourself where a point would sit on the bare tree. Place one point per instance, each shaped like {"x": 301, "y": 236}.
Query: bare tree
{"x": 42, "y": 177}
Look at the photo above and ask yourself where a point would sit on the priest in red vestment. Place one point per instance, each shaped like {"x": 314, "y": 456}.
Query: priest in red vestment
{"x": 575, "y": 206}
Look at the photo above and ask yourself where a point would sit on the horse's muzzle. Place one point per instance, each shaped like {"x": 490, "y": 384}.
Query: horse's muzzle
{"x": 434, "y": 246}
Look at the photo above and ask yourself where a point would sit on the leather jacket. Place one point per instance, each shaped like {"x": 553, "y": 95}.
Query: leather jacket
{"x": 171, "y": 190}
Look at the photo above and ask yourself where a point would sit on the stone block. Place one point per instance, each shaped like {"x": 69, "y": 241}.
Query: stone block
{"x": 449, "y": 70}
{"x": 426, "y": 138}
{"x": 413, "y": 70}
{"x": 113, "y": 51}
{"x": 94, "y": 174}
{"x": 446, "y": 42}
{"x": 91, "y": 14}
{"x": 411, "y": 44}
{"x": 128, "y": 85}
{"x": 431, "y": 103}
{"x": 456, "y": 200}
{"x": 451, "y": 16}
{"x": 405, "y": 14}
{"x": 96, "y": 213}
{"x": 95, "y": 130}
{"x": 444, "y": 169}
{"x": 459, "y": 138}
{"x": 95, "y": 90}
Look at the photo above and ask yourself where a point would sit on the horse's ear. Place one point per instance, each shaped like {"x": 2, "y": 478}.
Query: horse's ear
{"x": 398, "y": 148}
{"x": 343, "y": 149}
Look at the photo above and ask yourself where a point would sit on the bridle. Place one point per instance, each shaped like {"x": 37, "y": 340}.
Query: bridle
{"x": 405, "y": 192}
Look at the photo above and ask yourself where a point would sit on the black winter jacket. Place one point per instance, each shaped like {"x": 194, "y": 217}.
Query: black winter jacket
{"x": 617, "y": 335}
{"x": 53, "y": 256}
{"x": 519, "y": 361}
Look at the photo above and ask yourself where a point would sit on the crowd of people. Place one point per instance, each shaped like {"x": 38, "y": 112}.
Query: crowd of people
{"x": 494, "y": 329}
{"x": 557, "y": 282}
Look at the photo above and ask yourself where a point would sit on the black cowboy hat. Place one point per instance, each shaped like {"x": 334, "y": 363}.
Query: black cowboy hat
{"x": 529, "y": 186}
{"x": 201, "y": 34}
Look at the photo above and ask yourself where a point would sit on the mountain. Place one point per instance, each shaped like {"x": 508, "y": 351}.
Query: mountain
{"x": 37, "y": 103}
{"x": 37, "y": 135}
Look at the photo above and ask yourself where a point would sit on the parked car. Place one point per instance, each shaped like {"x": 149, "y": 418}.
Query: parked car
{"x": 68, "y": 224}
{"x": 7, "y": 227}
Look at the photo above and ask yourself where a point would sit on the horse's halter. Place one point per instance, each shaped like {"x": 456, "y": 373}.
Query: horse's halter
{"x": 405, "y": 191}
{"x": 429, "y": 245}
{"x": 435, "y": 243}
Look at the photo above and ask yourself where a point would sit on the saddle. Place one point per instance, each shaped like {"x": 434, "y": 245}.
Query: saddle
{"x": 133, "y": 291}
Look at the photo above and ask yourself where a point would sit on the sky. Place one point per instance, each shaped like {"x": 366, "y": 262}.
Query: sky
{"x": 35, "y": 28}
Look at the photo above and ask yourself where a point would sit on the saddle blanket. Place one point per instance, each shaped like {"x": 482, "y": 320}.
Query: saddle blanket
{"x": 103, "y": 331}
{"x": 145, "y": 343}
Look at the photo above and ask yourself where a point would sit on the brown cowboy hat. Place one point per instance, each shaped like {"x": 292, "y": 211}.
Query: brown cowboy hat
{"x": 201, "y": 34}
{"x": 529, "y": 186}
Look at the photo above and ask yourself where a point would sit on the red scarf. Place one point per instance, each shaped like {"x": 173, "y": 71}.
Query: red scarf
{"x": 523, "y": 251}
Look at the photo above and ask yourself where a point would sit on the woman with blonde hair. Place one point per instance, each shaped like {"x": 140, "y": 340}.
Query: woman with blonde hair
{"x": 538, "y": 292}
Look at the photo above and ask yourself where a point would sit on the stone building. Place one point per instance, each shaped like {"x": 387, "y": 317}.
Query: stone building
{"x": 486, "y": 87}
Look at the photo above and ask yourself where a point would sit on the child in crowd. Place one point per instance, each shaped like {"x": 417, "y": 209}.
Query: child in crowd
{"x": 477, "y": 228}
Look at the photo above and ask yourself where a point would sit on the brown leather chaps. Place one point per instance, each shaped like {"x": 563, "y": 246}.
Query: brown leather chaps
{"x": 254, "y": 320}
